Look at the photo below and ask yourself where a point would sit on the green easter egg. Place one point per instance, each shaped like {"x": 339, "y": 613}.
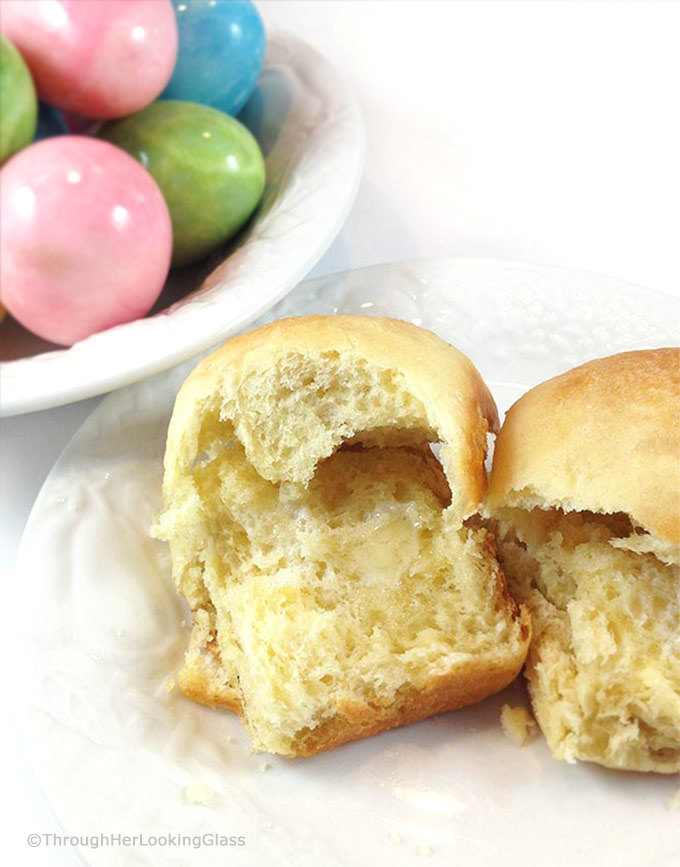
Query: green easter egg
{"x": 208, "y": 166}
{"x": 18, "y": 101}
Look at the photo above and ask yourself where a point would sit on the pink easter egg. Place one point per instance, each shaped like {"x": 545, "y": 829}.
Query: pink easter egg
{"x": 86, "y": 238}
{"x": 98, "y": 58}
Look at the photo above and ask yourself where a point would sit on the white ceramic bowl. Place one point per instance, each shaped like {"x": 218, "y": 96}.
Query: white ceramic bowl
{"x": 310, "y": 130}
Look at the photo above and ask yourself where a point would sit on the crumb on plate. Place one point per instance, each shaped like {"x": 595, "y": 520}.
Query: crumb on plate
{"x": 198, "y": 793}
{"x": 518, "y": 724}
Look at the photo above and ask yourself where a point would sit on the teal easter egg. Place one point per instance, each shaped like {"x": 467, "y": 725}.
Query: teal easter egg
{"x": 208, "y": 166}
{"x": 221, "y": 50}
{"x": 18, "y": 101}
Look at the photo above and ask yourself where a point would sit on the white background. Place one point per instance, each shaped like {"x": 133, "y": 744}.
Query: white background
{"x": 541, "y": 131}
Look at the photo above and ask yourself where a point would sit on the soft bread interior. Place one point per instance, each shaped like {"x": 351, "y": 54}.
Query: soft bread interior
{"x": 604, "y": 665}
{"x": 311, "y": 529}
{"x": 300, "y": 410}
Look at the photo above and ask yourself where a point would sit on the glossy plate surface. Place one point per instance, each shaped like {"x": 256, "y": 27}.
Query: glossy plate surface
{"x": 116, "y": 751}
{"x": 310, "y": 131}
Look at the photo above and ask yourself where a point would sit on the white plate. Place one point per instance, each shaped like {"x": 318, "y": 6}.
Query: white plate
{"x": 311, "y": 134}
{"x": 105, "y": 631}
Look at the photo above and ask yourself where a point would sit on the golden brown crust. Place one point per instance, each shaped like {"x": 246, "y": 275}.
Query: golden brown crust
{"x": 465, "y": 685}
{"x": 603, "y": 437}
{"x": 459, "y": 405}
{"x": 196, "y": 683}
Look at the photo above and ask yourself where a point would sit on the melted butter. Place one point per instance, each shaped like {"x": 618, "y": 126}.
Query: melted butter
{"x": 380, "y": 551}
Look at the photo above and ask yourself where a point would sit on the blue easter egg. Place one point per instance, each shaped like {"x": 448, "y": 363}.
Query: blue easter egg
{"x": 50, "y": 122}
{"x": 220, "y": 54}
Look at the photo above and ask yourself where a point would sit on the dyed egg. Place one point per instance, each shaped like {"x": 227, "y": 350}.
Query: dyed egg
{"x": 208, "y": 166}
{"x": 220, "y": 54}
{"x": 86, "y": 238}
{"x": 18, "y": 102}
{"x": 50, "y": 122}
{"x": 98, "y": 58}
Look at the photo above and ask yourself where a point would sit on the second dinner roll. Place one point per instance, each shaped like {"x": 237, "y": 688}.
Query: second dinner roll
{"x": 585, "y": 493}
{"x": 340, "y": 582}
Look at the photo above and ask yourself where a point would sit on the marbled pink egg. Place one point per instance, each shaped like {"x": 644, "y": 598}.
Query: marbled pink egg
{"x": 98, "y": 58}
{"x": 86, "y": 238}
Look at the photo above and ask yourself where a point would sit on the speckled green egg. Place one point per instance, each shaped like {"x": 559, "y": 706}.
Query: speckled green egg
{"x": 18, "y": 101}
{"x": 208, "y": 166}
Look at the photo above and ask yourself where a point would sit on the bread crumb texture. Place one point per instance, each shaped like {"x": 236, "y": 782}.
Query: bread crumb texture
{"x": 518, "y": 724}
{"x": 604, "y": 664}
{"x": 337, "y": 588}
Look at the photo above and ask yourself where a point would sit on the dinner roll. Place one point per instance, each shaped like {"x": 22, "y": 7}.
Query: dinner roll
{"x": 585, "y": 495}
{"x": 340, "y": 580}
